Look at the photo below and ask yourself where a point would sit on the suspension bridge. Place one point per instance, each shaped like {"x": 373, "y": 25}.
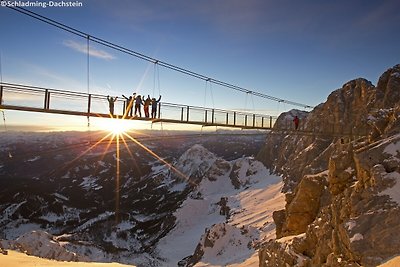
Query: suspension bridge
{"x": 58, "y": 101}
{"x": 48, "y": 100}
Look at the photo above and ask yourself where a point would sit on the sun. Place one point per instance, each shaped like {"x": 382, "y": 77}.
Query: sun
{"x": 116, "y": 126}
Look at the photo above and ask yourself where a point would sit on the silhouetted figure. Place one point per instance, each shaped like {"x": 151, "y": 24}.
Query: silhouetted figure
{"x": 146, "y": 105}
{"x": 154, "y": 103}
{"x": 138, "y": 102}
{"x": 111, "y": 101}
{"x": 296, "y": 122}
{"x": 128, "y": 105}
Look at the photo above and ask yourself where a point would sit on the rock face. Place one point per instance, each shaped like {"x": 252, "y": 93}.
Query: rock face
{"x": 343, "y": 188}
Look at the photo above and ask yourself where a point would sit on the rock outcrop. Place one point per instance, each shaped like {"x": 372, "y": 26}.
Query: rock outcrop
{"x": 342, "y": 185}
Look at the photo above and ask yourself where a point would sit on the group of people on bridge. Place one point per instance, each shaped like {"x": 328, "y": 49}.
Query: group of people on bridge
{"x": 136, "y": 101}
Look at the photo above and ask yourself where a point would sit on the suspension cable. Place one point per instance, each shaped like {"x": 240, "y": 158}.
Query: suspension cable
{"x": 150, "y": 59}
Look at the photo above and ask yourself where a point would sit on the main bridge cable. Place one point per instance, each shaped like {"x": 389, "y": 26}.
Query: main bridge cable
{"x": 153, "y": 60}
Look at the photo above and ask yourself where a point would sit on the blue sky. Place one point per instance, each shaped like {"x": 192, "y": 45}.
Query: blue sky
{"x": 295, "y": 50}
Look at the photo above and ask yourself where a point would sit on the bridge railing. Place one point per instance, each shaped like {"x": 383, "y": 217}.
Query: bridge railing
{"x": 328, "y": 128}
{"x": 58, "y": 101}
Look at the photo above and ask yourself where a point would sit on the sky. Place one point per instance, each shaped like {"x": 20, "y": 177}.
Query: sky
{"x": 295, "y": 50}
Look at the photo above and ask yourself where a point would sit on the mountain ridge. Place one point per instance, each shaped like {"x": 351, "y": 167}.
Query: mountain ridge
{"x": 340, "y": 190}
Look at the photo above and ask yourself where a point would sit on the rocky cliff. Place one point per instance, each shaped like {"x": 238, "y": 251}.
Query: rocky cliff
{"x": 342, "y": 179}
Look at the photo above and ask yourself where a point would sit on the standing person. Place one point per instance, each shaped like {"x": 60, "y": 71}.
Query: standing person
{"x": 296, "y": 122}
{"x": 111, "y": 101}
{"x": 129, "y": 104}
{"x": 138, "y": 102}
{"x": 147, "y": 103}
{"x": 154, "y": 103}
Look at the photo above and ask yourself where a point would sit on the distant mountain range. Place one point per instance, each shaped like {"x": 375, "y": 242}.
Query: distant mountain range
{"x": 58, "y": 202}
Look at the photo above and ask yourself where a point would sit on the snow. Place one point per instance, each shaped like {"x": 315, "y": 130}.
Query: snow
{"x": 251, "y": 209}
{"x": 89, "y": 182}
{"x": 18, "y": 259}
{"x": 196, "y": 159}
{"x": 16, "y": 230}
{"x": 125, "y": 225}
{"x": 178, "y": 187}
{"x": 393, "y": 192}
{"x": 393, "y": 148}
{"x": 230, "y": 245}
{"x": 52, "y": 217}
{"x": 250, "y": 222}
{"x": 350, "y": 225}
{"x": 33, "y": 159}
{"x": 9, "y": 211}
{"x": 101, "y": 217}
{"x": 349, "y": 170}
{"x": 66, "y": 176}
{"x": 395, "y": 74}
{"x": 357, "y": 237}
{"x": 141, "y": 218}
{"x": 61, "y": 196}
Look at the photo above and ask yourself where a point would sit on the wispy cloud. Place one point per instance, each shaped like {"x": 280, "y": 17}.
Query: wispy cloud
{"x": 82, "y": 48}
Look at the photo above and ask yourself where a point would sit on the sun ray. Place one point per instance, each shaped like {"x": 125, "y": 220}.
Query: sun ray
{"x": 110, "y": 141}
{"x": 68, "y": 164}
{"x": 159, "y": 158}
{"x": 117, "y": 183}
{"x": 131, "y": 155}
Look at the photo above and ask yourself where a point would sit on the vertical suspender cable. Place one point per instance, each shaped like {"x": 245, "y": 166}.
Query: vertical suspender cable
{"x": 159, "y": 92}
{"x": 252, "y": 101}
{"x": 154, "y": 78}
{"x": 205, "y": 95}
{"x": 1, "y": 69}
{"x": 158, "y": 79}
{"x": 212, "y": 95}
{"x": 88, "y": 79}
{"x": 1, "y": 80}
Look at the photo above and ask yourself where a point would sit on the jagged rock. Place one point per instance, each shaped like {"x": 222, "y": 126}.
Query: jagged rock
{"x": 195, "y": 162}
{"x": 279, "y": 217}
{"x": 242, "y": 170}
{"x": 234, "y": 176}
{"x": 219, "y": 168}
{"x": 356, "y": 221}
{"x": 341, "y": 168}
{"x": 207, "y": 241}
{"x": 279, "y": 253}
{"x": 224, "y": 208}
{"x": 303, "y": 209}
{"x": 388, "y": 88}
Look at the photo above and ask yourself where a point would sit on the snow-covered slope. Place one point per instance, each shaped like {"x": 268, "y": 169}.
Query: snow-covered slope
{"x": 220, "y": 225}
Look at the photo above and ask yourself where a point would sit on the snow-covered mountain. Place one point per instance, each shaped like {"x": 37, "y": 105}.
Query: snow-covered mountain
{"x": 224, "y": 218}
{"x": 61, "y": 203}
